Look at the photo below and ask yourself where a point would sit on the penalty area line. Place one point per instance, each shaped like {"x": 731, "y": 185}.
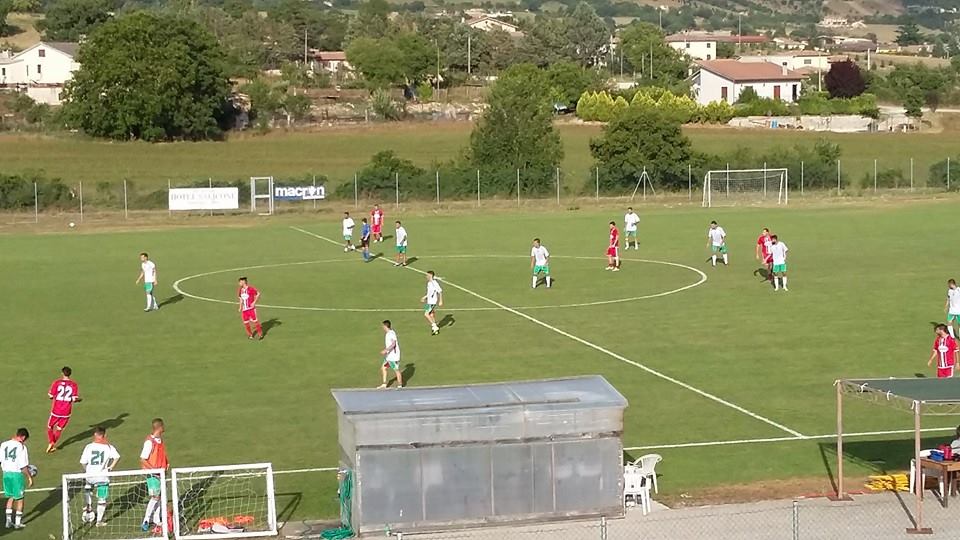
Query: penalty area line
{"x": 595, "y": 347}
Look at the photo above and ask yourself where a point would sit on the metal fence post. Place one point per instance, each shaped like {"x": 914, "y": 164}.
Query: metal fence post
{"x": 81, "y": 201}
{"x": 690, "y": 181}
{"x": 210, "y": 181}
{"x": 874, "y": 175}
{"x": 948, "y": 173}
{"x": 438, "y": 187}
{"x": 838, "y": 178}
{"x": 478, "y": 188}
{"x": 801, "y": 178}
{"x": 603, "y": 527}
{"x": 356, "y": 191}
{"x": 598, "y": 181}
{"x": 126, "y": 211}
{"x": 36, "y": 204}
{"x": 796, "y": 520}
{"x": 169, "y": 187}
{"x": 518, "y": 188}
{"x": 911, "y": 174}
{"x": 314, "y": 185}
{"x": 558, "y": 186}
{"x": 396, "y": 184}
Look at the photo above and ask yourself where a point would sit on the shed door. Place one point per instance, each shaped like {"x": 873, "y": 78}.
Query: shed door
{"x": 776, "y": 91}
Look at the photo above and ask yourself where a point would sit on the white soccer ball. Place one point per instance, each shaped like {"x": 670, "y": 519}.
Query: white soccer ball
{"x": 72, "y": 224}
{"x": 33, "y": 470}
{"x": 88, "y": 517}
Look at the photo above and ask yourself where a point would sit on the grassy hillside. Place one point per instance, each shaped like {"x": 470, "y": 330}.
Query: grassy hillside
{"x": 22, "y": 31}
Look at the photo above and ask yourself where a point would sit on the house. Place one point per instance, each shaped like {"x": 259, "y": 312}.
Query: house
{"x": 40, "y": 71}
{"x": 789, "y": 44}
{"x": 489, "y": 24}
{"x": 803, "y": 61}
{"x": 333, "y": 62}
{"x": 724, "y": 80}
{"x": 703, "y": 45}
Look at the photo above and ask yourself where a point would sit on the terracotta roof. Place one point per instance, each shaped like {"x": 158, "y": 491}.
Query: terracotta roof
{"x": 737, "y": 71}
{"x": 701, "y": 37}
{"x": 331, "y": 56}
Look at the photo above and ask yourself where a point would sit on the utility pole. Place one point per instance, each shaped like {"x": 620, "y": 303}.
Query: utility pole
{"x": 438, "y": 69}
{"x": 739, "y": 30}
{"x": 469, "y": 51}
{"x": 304, "y": 48}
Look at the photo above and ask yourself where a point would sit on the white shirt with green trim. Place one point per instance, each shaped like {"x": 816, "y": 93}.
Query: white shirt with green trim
{"x": 96, "y": 459}
{"x": 14, "y": 456}
{"x": 717, "y": 236}
{"x": 540, "y": 255}
{"x": 779, "y": 253}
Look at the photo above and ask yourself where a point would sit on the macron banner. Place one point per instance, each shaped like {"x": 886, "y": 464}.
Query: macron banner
{"x": 204, "y": 198}
{"x": 299, "y": 193}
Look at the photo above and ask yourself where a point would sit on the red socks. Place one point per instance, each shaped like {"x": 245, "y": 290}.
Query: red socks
{"x": 259, "y": 329}
{"x": 246, "y": 326}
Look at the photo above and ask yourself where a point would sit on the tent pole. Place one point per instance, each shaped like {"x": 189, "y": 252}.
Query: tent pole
{"x": 918, "y": 475}
{"x": 840, "y": 495}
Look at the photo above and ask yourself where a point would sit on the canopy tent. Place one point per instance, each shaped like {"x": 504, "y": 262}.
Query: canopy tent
{"x": 931, "y": 397}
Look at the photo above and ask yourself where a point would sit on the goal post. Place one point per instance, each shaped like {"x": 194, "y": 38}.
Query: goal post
{"x": 224, "y": 501}
{"x": 126, "y": 497}
{"x": 745, "y": 186}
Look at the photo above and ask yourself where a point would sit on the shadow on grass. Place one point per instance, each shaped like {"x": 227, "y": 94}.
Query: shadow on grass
{"x": 407, "y": 373}
{"x": 171, "y": 300}
{"x": 109, "y": 423}
{"x": 269, "y": 325}
{"x": 447, "y": 320}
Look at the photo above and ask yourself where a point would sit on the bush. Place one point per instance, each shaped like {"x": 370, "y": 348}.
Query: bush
{"x": 819, "y": 162}
{"x": 383, "y": 105}
{"x": 761, "y": 107}
{"x": 887, "y": 178}
{"x": 16, "y": 192}
{"x": 938, "y": 173}
{"x": 716, "y": 112}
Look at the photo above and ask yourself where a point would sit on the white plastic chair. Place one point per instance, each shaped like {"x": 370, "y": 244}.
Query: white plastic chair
{"x": 635, "y": 485}
{"x": 647, "y": 466}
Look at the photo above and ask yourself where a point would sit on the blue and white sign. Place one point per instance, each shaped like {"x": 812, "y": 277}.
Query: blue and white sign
{"x": 299, "y": 193}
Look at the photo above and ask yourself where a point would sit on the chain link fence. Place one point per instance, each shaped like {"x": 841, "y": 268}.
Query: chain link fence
{"x": 30, "y": 199}
{"x": 877, "y": 516}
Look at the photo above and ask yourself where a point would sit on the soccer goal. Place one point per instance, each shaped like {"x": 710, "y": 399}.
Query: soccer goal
{"x": 745, "y": 186}
{"x": 112, "y": 505}
{"x": 229, "y": 501}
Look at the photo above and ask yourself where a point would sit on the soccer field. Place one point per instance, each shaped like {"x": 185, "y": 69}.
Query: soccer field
{"x": 704, "y": 355}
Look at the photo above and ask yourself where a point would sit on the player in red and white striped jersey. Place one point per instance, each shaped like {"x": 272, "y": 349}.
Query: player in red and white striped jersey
{"x": 613, "y": 248}
{"x": 944, "y": 352}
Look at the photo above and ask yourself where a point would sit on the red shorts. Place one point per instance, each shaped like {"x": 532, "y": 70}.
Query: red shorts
{"x": 249, "y": 315}
{"x": 768, "y": 259}
{"x": 613, "y": 252}
{"x": 58, "y": 422}
{"x": 945, "y": 373}
{"x": 376, "y": 229}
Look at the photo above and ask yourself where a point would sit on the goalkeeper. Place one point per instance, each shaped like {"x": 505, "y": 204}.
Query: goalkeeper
{"x": 98, "y": 457}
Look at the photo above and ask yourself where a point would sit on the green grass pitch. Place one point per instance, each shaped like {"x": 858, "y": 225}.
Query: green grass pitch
{"x": 866, "y": 282}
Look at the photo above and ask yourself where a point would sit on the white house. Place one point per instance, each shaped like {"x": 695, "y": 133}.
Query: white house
{"x": 333, "y": 62}
{"x": 489, "y": 24}
{"x": 808, "y": 61}
{"x": 724, "y": 80}
{"x": 703, "y": 46}
{"x": 41, "y": 71}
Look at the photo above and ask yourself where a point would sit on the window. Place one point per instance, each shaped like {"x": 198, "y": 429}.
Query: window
{"x": 807, "y": 61}
{"x": 39, "y": 69}
{"x": 3, "y": 72}
{"x": 709, "y": 45}
{"x": 723, "y": 93}
{"x": 688, "y": 45}
{"x": 42, "y": 53}
{"x": 708, "y": 57}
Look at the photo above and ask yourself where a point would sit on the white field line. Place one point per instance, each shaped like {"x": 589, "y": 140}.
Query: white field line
{"x": 629, "y": 449}
{"x": 596, "y": 347}
{"x": 178, "y": 285}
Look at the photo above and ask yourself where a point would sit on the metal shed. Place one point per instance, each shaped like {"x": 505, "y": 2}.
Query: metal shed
{"x": 441, "y": 458}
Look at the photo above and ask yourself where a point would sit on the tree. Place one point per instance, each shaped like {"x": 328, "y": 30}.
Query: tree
{"x": 149, "y": 76}
{"x": 748, "y": 95}
{"x": 372, "y": 21}
{"x": 69, "y": 20}
{"x": 568, "y": 81}
{"x": 25, "y": 6}
{"x": 642, "y": 138}
{"x": 844, "y": 80}
{"x": 913, "y": 103}
{"x": 587, "y": 35}
{"x": 657, "y": 63}
{"x": 324, "y": 30}
{"x": 251, "y": 43}
{"x": 6, "y": 6}
{"x": 392, "y": 61}
{"x": 517, "y": 133}
{"x": 909, "y": 34}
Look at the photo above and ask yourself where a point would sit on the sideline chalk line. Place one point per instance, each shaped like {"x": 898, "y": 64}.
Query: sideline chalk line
{"x": 595, "y": 347}
{"x": 177, "y": 285}
{"x": 653, "y": 447}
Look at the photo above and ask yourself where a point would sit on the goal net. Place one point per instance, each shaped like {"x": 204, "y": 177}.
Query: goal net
{"x": 113, "y": 505}
{"x": 230, "y": 501}
{"x": 745, "y": 186}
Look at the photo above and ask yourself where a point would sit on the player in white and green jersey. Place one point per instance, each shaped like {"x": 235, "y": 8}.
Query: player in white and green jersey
{"x": 779, "y": 252}
{"x": 717, "y": 240}
{"x": 952, "y": 307}
{"x": 15, "y": 463}
{"x": 98, "y": 457}
{"x": 539, "y": 263}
